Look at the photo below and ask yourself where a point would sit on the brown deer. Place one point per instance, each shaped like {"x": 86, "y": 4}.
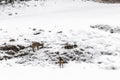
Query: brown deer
{"x": 36, "y": 45}
{"x": 61, "y": 62}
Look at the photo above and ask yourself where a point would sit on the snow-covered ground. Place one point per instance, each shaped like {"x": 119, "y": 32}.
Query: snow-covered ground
{"x": 57, "y": 22}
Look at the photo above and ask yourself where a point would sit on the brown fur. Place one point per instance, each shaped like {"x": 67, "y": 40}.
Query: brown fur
{"x": 61, "y": 62}
{"x": 36, "y": 45}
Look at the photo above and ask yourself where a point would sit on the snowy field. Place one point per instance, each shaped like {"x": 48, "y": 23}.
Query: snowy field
{"x": 84, "y": 33}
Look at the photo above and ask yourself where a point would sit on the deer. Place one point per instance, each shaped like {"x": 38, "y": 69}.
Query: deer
{"x": 61, "y": 62}
{"x": 36, "y": 45}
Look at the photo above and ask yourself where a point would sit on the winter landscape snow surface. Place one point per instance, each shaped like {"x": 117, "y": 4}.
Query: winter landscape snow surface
{"x": 84, "y": 33}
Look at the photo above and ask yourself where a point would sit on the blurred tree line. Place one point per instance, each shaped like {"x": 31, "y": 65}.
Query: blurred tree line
{"x": 112, "y": 0}
{"x": 10, "y": 1}
{"x": 108, "y": 1}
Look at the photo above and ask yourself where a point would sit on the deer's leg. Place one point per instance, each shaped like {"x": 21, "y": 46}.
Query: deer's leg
{"x": 33, "y": 49}
{"x": 37, "y": 47}
{"x": 61, "y": 65}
